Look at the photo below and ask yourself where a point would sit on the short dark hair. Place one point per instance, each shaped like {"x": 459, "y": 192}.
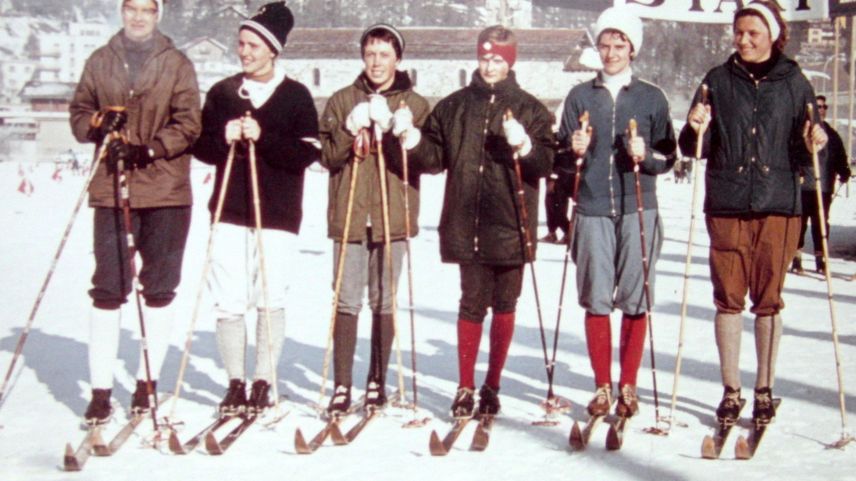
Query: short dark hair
{"x": 382, "y": 35}
{"x": 820, "y": 97}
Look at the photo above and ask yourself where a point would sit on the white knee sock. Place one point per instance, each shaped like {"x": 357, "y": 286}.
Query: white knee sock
{"x": 103, "y": 346}
{"x": 277, "y": 332}
{"x": 159, "y": 322}
{"x": 232, "y": 344}
{"x": 768, "y": 331}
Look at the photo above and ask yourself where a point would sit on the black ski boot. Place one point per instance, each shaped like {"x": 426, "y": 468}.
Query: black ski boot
{"x": 99, "y": 410}
{"x": 235, "y": 400}
{"x": 763, "y": 412}
{"x": 464, "y": 403}
{"x": 796, "y": 264}
{"x": 259, "y": 397}
{"x": 140, "y": 399}
{"x": 488, "y": 401}
{"x": 820, "y": 265}
{"x": 729, "y": 408}
{"x": 375, "y": 396}
{"x": 340, "y": 402}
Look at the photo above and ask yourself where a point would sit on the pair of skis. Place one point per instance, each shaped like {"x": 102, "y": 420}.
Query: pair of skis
{"x": 745, "y": 448}
{"x": 480, "y": 441}
{"x": 333, "y": 431}
{"x": 579, "y": 437}
{"x": 213, "y": 445}
{"x": 93, "y": 442}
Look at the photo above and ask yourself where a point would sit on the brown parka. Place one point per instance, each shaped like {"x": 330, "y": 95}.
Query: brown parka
{"x": 337, "y": 157}
{"x": 163, "y": 113}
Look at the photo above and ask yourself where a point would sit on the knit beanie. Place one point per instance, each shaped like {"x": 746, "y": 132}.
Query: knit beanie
{"x": 622, "y": 20}
{"x": 159, "y": 4}
{"x": 389, "y": 28}
{"x": 272, "y": 23}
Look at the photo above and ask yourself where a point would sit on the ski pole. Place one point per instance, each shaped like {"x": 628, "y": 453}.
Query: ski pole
{"x": 689, "y": 258}
{"x": 407, "y": 230}
{"x": 529, "y": 255}
{"x": 585, "y": 127}
{"x": 257, "y": 210}
{"x": 387, "y": 244}
{"x": 845, "y": 436}
{"x": 206, "y": 267}
{"x": 361, "y": 149}
{"x": 123, "y": 193}
{"x": 647, "y": 289}
{"x": 22, "y": 339}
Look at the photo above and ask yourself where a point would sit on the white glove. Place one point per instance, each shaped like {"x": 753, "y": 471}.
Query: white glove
{"x": 233, "y": 131}
{"x": 379, "y": 112}
{"x": 516, "y": 137}
{"x": 402, "y": 127}
{"x": 358, "y": 119}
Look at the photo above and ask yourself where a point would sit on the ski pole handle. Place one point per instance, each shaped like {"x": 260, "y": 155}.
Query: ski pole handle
{"x": 703, "y": 126}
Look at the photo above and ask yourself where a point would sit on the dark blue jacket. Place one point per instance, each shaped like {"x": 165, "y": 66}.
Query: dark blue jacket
{"x": 754, "y": 145}
{"x": 608, "y": 185}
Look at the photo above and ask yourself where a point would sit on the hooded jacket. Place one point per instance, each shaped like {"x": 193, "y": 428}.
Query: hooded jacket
{"x": 481, "y": 218}
{"x": 337, "y": 155}
{"x": 754, "y": 144}
{"x": 163, "y": 114}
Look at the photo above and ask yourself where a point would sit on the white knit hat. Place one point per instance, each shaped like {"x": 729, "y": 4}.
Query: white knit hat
{"x": 159, "y": 3}
{"x": 621, "y": 19}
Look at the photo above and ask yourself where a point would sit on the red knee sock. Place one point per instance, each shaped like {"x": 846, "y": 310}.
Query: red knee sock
{"x": 599, "y": 341}
{"x": 501, "y": 332}
{"x": 632, "y": 346}
{"x": 469, "y": 337}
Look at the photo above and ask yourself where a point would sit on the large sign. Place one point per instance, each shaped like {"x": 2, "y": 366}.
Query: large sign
{"x": 722, "y": 11}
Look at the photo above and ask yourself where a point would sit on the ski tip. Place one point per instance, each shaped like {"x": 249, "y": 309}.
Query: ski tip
{"x": 708, "y": 448}
{"x": 69, "y": 462}
{"x": 336, "y": 435}
{"x": 741, "y": 448}
{"x": 613, "y": 439}
{"x": 436, "y": 445}
{"x": 300, "y": 445}
{"x": 212, "y": 445}
{"x": 575, "y": 438}
{"x": 175, "y": 445}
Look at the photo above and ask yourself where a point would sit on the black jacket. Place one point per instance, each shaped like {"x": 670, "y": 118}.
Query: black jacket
{"x": 286, "y": 118}
{"x": 608, "y": 184}
{"x": 754, "y": 145}
{"x": 480, "y": 221}
{"x": 835, "y": 165}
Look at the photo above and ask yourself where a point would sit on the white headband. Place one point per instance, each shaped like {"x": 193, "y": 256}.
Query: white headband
{"x": 765, "y": 12}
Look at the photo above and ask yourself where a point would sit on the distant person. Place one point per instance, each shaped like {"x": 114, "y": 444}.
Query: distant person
{"x": 607, "y": 246}
{"x": 756, "y": 144}
{"x": 264, "y": 106}
{"x": 141, "y": 71}
{"x": 352, "y": 115}
{"x": 834, "y": 165}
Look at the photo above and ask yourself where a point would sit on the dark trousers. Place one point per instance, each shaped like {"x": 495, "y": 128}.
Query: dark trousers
{"x": 483, "y": 286}
{"x": 810, "y": 211}
{"x": 556, "y": 206}
{"x": 160, "y": 235}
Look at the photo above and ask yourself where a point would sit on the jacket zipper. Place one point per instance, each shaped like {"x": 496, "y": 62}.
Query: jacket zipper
{"x": 481, "y": 172}
{"x": 612, "y": 161}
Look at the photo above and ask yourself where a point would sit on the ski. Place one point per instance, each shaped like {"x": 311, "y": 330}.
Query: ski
{"x": 442, "y": 448}
{"x": 481, "y": 438}
{"x": 615, "y": 436}
{"x": 745, "y": 447}
{"x": 103, "y": 450}
{"x": 579, "y": 438}
{"x": 216, "y": 448}
{"x": 355, "y": 431}
{"x": 75, "y": 459}
{"x": 711, "y": 446}
{"x": 331, "y": 429}
{"x": 177, "y": 447}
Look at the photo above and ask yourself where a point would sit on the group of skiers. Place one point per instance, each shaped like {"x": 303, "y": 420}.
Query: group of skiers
{"x": 138, "y": 100}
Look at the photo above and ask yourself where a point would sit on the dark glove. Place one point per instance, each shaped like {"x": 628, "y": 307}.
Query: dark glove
{"x": 132, "y": 156}
{"x": 105, "y": 123}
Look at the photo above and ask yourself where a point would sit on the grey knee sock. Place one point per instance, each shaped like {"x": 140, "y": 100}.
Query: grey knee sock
{"x": 277, "y": 332}
{"x": 383, "y": 332}
{"x": 768, "y": 331}
{"x": 344, "y": 345}
{"x": 728, "y": 328}
{"x": 232, "y": 343}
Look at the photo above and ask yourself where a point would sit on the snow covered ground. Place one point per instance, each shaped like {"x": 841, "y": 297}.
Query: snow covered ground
{"x": 49, "y": 391}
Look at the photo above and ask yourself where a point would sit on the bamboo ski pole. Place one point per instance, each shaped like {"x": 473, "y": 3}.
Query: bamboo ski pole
{"x": 688, "y": 263}
{"x": 845, "y": 436}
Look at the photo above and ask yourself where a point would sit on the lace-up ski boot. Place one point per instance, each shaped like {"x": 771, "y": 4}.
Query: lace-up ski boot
{"x": 601, "y": 402}
{"x": 99, "y": 410}
{"x": 375, "y": 396}
{"x": 488, "y": 401}
{"x": 628, "y": 402}
{"x": 259, "y": 397}
{"x": 140, "y": 399}
{"x": 763, "y": 412}
{"x": 464, "y": 403}
{"x": 729, "y": 408}
{"x": 340, "y": 402}
{"x": 235, "y": 400}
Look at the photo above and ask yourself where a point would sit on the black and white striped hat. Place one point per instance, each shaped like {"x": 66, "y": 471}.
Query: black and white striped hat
{"x": 272, "y": 23}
